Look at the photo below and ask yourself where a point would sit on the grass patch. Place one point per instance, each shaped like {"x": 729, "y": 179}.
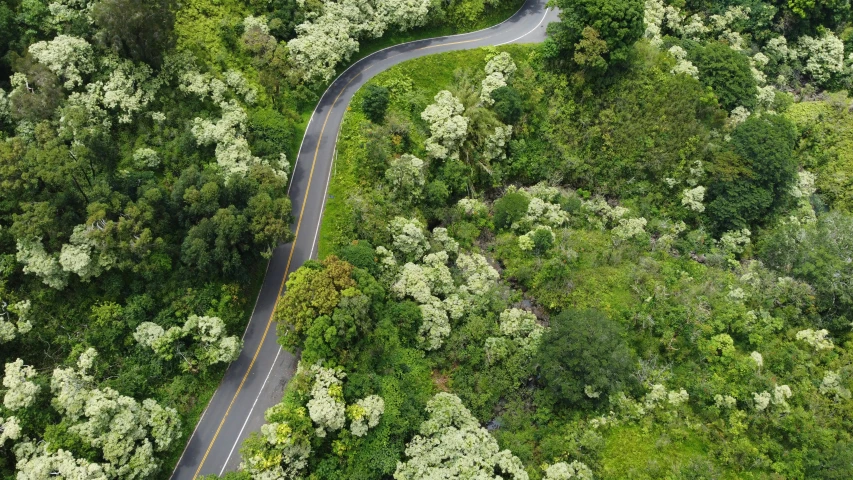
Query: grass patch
{"x": 632, "y": 452}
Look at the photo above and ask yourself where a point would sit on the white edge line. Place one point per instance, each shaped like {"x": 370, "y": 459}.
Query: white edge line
{"x": 254, "y": 404}
{"x": 547, "y": 10}
{"x": 325, "y": 196}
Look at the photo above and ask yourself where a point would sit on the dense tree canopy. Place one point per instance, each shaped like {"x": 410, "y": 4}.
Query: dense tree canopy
{"x": 585, "y": 23}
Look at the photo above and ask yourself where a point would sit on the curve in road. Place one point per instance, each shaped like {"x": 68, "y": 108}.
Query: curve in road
{"x": 256, "y": 380}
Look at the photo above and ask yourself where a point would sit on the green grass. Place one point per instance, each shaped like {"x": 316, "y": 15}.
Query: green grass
{"x": 429, "y": 75}
{"x": 633, "y": 452}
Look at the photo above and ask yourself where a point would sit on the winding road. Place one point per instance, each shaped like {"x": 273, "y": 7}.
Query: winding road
{"x": 256, "y": 380}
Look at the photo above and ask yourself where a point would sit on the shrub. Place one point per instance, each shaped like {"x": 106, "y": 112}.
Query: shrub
{"x": 509, "y": 209}
{"x": 375, "y": 103}
{"x": 583, "y": 357}
{"x": 727, "y": 72}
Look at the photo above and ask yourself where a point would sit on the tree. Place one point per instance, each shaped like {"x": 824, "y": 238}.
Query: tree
{"x": 66, "y": 56}
{"x": 128, "y": 434}
{"x": 499, "y": 70}
{"x": 406, "y": 174}
{"x": 755, "y": 176}
{"x": 509, "y": 209}
{"x": 282, "y": 448}
{"x": 727, "y": 72}
{"x": 14, "y": 319}
{"x": 507, "y": 104}
{"x": 140, "y": 31}
{"x": 583, "y": 352}
{"x": 200, "y": 342}
{"x": 21, "y": 391}
{"x": 452, "y": 444}
{"x": 598, "y": 33}
{"x": 448, "y": 127}
{"x": 375, "y": 103}
{"x": 817, "y": 254}
{"x": 326, "y": 309}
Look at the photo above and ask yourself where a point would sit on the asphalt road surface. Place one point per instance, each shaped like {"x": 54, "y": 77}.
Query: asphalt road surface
{"x": 256, "y": 380}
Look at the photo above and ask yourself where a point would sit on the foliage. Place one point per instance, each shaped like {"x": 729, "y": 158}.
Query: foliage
{"x": 375, "y": 103}
{"x": 755, "y": 176}
{"x": 727, "y": 73}
{"x": 583, "y": 357}
{"x": 452, "y": 444}
{"x": 597, "y": 33}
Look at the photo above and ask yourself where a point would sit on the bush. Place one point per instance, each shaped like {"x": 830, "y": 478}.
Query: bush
{"x": 583, "y": 358}
{"x": 618, "y": 23}
{"x": 375, "y": 103}
{"x": 507, "y": 104}
{"x": 727, "y": 72}
{"x": 509, "y": 209}
{"x": 269, "y": 131}
{"x": 752, "y": 178}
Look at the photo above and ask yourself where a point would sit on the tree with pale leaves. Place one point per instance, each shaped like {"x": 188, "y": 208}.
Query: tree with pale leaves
{"x": 10, "y": 429}
{"x": 409, "y": 238}
{"x": 364, "y": 414}
{"x": 479, "y": 275}
{"x": 129, "y": 435}
{"x": 406, "y": 174}
{"x": 38, "y": 262}
{"x": 452, "y": 444}
{"x": 327, "y": 408}
{"x": 14, "y": 319}
{"x": 499, "y": 70}
{"x": 36, "y": 462}
{"x": 201, "y": 341}
{"x": 21, "y": 391}
{"x": 568, "y": 471}
{"x": 447, "y": 126}
{"x": 67, "y": 56}
{"x": 823, "y": 56}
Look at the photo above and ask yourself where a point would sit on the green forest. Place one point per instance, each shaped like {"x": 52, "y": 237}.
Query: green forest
{"x": 145, "y": 150}
{"x": 623, "y": 253}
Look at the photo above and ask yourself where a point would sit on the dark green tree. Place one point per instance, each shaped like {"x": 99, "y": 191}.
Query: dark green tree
{"x": 727, "y": 73}
{"x": 584, "y": 350}
{"x": 509, "y": 209}
{"x": 141, "y": 31}
{"x": 375, "y": 103}
{"x": 752, "y": 178}
{"x": 616, "y": 23}
{"x": 507, "y": 104}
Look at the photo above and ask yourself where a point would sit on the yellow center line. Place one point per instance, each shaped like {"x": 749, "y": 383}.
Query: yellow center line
{"x": 293, "y": 247}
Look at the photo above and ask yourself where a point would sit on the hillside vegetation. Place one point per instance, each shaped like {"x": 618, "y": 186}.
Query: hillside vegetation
{"x": 624, "y": 253}
{"x": 145, "y": 150}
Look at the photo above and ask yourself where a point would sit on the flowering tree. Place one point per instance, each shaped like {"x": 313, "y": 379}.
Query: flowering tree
{"x": 452, "y": 444}
{"x": 66, "y": 56}
{"x": 447, "y": 125}
{"x": 11, "y": 326}
{"x": 200, "y": 342}
{"x": 21, "y": 391}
